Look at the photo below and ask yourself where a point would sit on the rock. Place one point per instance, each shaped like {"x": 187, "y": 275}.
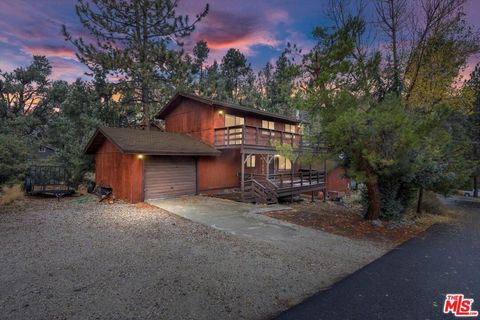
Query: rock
{"x": 376, "y": 223}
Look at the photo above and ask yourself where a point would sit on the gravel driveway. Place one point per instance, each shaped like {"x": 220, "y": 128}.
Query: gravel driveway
{"x": 98, "y": 261}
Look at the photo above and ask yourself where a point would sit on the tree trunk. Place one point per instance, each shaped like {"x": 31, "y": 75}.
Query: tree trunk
{"x": 374, "y": 201}
{"x": 145, "y": 107}
{"x": 475, "y": 186}
{"x": 420, "y": 199}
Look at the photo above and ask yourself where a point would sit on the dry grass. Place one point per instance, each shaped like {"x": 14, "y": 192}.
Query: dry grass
{"x": 10, "y": 194}
{"x": 429, "y": 219}
{"x": 431, "y": 204}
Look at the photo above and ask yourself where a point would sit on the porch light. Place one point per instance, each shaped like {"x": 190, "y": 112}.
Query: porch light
{"x": 140, "y": 156}
{"x": 277, "y": 156}
{"x": 220, "y": 112}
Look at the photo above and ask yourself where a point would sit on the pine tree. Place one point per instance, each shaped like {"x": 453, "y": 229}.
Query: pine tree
{"x": 133, "y": 41}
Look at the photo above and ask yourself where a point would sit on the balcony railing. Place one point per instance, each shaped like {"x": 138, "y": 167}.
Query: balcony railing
{"x": 255, "y": 136}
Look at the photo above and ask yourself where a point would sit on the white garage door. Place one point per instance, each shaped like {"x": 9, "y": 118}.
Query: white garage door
{"x": 167, "y": 177}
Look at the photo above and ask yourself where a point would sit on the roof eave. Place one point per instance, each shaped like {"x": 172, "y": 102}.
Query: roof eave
{"x": 165, "y": 110}
{"x": 166, "y": 153}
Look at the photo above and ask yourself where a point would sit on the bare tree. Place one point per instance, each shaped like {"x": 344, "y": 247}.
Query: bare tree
{"x": 393, "y": 16}
{"x": 436, "y": 17}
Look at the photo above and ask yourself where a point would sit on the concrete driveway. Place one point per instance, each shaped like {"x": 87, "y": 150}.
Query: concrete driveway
{"x": 243, "y": 219}
{"x": 230, "y": 216}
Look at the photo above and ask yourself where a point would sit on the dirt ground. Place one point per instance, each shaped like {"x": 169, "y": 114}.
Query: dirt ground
{"x": 80, "y": 259}
{"x": 335, "y": 218}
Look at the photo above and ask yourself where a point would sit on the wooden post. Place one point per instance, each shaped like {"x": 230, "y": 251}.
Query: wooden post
{"x": 267, "y": 163}
{"x": 242, "y": 175}
{"x": 243, "y": 134}
{"x": 324, "y": 179}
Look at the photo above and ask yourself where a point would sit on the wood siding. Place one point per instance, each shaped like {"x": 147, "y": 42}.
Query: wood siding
{"x": 336, "y": 180}
{"x": 167, "y": 177}
{"x": 199, "y": 120}
{"x": 220, "y": 172}
{"x": 122, "y": 172}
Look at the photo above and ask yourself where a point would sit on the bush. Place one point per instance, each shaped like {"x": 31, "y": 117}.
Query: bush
{"x": 10, "y": 194}
{"x": 432, "y": 204}
{"x": 14, "y": 153}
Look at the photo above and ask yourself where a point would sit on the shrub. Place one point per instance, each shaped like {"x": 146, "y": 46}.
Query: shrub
{"x": 432, "y": 204}
{"x": 14, "y": 153}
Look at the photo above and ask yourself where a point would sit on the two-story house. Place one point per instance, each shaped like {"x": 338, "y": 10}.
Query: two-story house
{"x": 208, "y": 147}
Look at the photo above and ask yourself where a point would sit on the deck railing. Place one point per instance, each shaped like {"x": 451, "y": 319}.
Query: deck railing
{"x": 255, "y": 136}
{"x": 292, "y": 179}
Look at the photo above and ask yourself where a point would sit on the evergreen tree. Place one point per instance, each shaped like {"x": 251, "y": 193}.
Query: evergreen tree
{"x": 200, "y": 56}
{"x": 237, "y": 78}
{"x": 473, "y": 84}
{"x": 276, "y": 85}
{"x": 133, "y": 41}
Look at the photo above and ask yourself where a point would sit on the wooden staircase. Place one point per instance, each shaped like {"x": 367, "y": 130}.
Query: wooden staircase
{"x": 260, "y": 188}
{"x": 260, "y": 191}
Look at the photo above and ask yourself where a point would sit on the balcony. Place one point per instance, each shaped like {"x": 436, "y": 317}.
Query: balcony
{"x": 244, "y": 135}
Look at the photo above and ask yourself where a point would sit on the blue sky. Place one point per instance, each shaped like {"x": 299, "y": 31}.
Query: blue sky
{"x": 260, "y": 29}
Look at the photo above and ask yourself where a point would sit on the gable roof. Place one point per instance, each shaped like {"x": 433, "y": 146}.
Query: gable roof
{"x": 149, "y": 142}
{"x": 224, "y": 105}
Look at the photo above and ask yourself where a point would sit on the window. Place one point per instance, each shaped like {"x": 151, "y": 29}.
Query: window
{"x": 284, "y": 163}
{"x": 42, "y": 149}
{"x": 231, "y": 120}
{"x": 290, "y": 128}
{"x": 250, "y": 161}
{"x": 268, "y": 125}
{"x": 233, "y": 136}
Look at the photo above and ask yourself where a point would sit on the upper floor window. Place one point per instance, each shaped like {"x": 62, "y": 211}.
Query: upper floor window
{"x": 234, "y": 135}
{"x": 268, "y": 124}
{"x": 290, "y": 128}
{"x": 42, "y": 149}
{"x": 231, "y": 120}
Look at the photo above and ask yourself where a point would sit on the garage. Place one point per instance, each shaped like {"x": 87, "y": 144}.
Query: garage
{"x": 147, "y": 164}
{"x": 168, "y": 177}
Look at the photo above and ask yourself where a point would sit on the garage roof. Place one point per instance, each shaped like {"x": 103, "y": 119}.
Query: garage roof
{"x": 226, "y": 105}
{"x": 150, "y": 142}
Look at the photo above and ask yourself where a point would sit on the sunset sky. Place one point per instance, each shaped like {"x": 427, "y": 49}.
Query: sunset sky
{"x": 260, "y": 29}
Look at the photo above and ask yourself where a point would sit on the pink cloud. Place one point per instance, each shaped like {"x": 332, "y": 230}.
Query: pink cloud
{"x": 277, "y": 16}
{"x": 469, "y": 67}
{"x": 66, "y": 70}
{"x": 224, "y": 30}
{"x": 51, "y": 51}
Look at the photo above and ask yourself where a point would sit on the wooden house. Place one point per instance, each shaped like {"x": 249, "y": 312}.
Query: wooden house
{"x": 209, "y": 147}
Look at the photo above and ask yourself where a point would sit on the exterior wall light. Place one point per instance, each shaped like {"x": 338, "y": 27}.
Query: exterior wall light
{"x": 140, "y": 156}
{"x": 220, "y": 112}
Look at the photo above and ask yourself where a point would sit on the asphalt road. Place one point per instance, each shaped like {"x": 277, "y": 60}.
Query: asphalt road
{"x": 411, "y": 281}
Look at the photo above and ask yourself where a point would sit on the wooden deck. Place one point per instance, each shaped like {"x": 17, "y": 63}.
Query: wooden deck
{"x": 243, "y": 135}
{"x": 269, "y": 188}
